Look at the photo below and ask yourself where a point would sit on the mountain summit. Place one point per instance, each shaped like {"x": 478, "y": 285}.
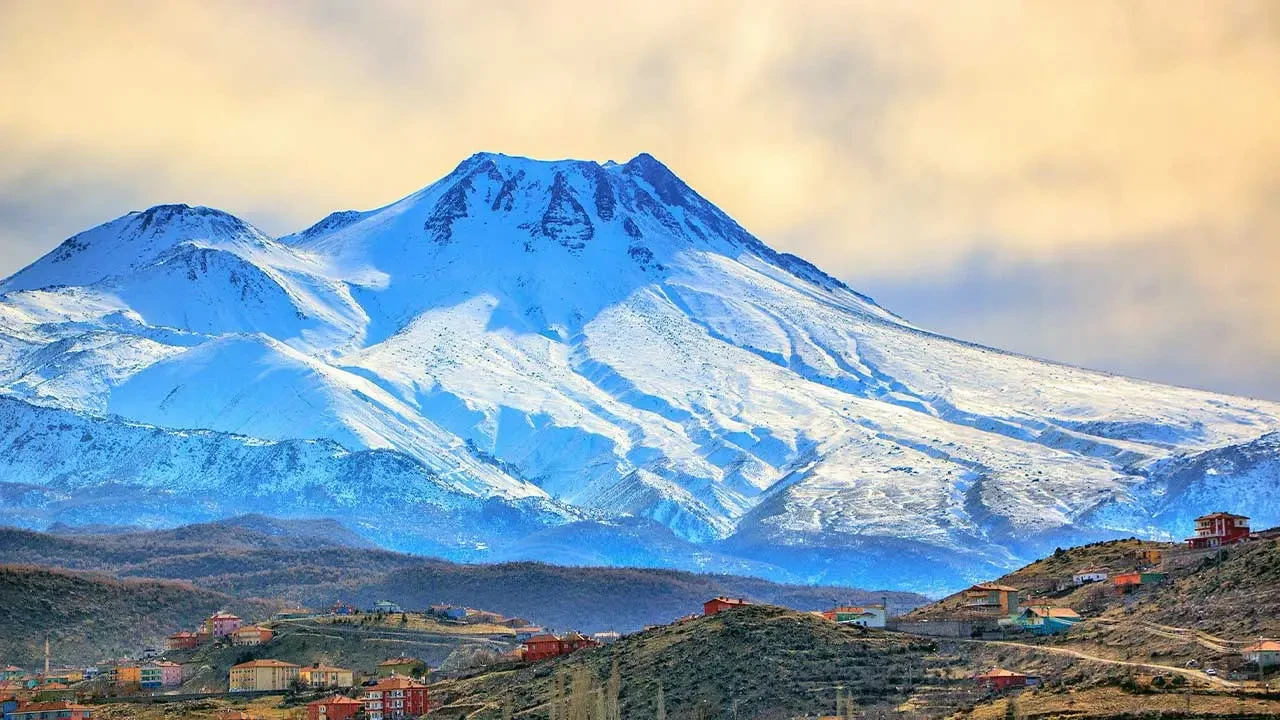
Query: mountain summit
{"x": 575, "y": 362}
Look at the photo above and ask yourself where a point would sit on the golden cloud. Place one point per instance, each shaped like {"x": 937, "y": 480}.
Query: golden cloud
{"x": 894, "y": 137}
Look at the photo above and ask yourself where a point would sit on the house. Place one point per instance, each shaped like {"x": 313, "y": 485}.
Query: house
{"x": 1218, "y": 529}
{"x": 326, "y": 676}
{"x": 336, "y": 707}
{"x": 12, "y": 672}
{"x": 385, "y": 606}
{"x": 992, "y": 597}
{"x": 525, "y": 633}
{"x": 1132, "y": 580}
{"x": 541, "y": 647}
{"x": 50, "y": 711}
{"x": 1045, "y": 619}
{"x": 261, "y": 675}
{"x": 999, "y": 679}
{"x": 1151, "y": 556}
{"x": 720, "y": 604}
{"x": 221, "y": 624}
{"x": 606, "y": 638}
{"x": 453, "y": 612}
{"x": 395, "y": 697}
{"x": 127, "y": 675}
{"x": 160, "y": 674}
{"x": 1089, "y": 575}
{"x": 182, "y": 640}
{"x": 251, "y": 635}
{"x": 402, "y": 666}
{"x": 869, "y": 616}
{"x": 341, "y": 608}
{"x": 1263, "y": 654}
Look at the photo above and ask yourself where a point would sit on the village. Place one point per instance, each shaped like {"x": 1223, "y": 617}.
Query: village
{"x": 397, "y": 687}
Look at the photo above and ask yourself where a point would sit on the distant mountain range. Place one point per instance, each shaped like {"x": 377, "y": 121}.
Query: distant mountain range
{"x": 580, "y": 363}
{"x": 255, "y": 565}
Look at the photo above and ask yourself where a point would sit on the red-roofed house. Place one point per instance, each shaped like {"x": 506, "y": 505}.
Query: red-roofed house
{"x": 221, "y": 624}
{"x": 337, "y": 707}
{"x": 999, "y": 679}
{"x": 1263, "y": 654}
{"x": 181, "y": 641}
{"x": 1217, "y": 529}
{"x": 394, "y": 698}
{"x": 541, "y": 647}
{"x": 992, "y": 596}
{"x": 720, "y": 604}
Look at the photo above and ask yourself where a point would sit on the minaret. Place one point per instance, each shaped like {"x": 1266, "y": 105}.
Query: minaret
{"x": 46, "y": 655}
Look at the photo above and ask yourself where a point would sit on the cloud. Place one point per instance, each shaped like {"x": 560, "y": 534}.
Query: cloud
{"x": 884, "y": 141}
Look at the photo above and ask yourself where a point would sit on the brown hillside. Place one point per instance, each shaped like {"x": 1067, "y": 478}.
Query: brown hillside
{"x": 89, "y": 617}
{"x": 755, "y": 661}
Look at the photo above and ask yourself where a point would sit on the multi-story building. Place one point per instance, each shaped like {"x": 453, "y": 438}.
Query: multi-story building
{"x": 396, "y": 698}
{"x": 1217, "y": 529}
{"x": 251, "y": 635}
{"x": 221, "y": 624}
{"x": 992, "y": 597}
{"x": 326, "y": 676}
{"x": 160, "y": 674}
{"x": 262, "y": 675}
{"x": 127, "y": 675}
{"x": 541, "y": 647}
{"x": 183, "y": 640}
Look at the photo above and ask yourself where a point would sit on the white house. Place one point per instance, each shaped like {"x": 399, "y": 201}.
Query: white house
{"x": 384, "y": 606}
{"x": 1091, "y": 575}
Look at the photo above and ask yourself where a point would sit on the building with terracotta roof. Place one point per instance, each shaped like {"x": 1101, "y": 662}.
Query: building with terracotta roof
{"x": 336, "y": 707}
{"x": 1263, "y": 654}
{"x": 395, "y": 698}
{"x": 326, "y": 676}
{"x": 12, "y": 672}
{"x": 541, "y": 647}
{"x": 261, "y": 675}
{"x": 1000, "y": 679}
{"x": 183, "y": 640}
{"x": 720, "y": 604}
{"x": 251, "y": 635}
{"x": 992, "y": 597}
{"x": 1217, "y": 529}
{"x": 60, "y": 710}
{"x": 221, "y": 624}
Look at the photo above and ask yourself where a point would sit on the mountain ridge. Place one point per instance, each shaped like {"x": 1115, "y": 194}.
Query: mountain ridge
{"x": 577, "y": 342}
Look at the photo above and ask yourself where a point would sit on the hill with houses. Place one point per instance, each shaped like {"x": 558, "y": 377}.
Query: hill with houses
{"x": 246, "y": 563}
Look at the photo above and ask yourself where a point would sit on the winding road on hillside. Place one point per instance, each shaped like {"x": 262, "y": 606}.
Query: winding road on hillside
{"x": 1185, "y": 672}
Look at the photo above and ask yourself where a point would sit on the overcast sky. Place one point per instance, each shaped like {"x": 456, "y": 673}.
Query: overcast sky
{"x": 1092, "y": 182}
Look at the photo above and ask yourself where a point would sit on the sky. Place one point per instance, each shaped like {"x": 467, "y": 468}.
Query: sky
{"x": 1093, "y": 182}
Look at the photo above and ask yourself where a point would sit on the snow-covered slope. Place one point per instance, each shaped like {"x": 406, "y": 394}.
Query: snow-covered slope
{"x": 600, "y": 337}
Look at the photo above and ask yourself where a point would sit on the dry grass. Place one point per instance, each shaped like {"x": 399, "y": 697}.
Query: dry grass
{"x": 1111, "y": 703}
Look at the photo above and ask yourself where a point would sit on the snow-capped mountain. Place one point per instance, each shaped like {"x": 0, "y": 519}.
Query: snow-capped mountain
{"x": 592, "y": 354}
